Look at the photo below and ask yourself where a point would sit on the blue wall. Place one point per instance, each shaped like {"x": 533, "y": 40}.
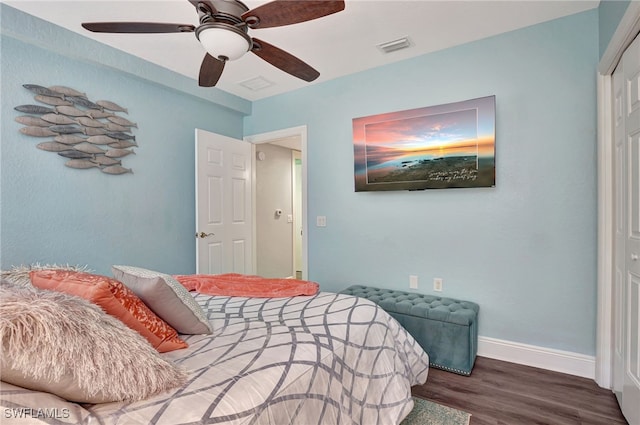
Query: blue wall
{"x": 51, "y": 213}
{"x": 524, "y": 250}
{"x": 610, "y": 13}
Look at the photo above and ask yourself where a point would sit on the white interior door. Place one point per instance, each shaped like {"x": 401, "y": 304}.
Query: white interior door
{"x": 223, "y": 205}
{"x": 620, "y": 227}
{"x": 626, "y": 377}
{"x": 631, "y": 389}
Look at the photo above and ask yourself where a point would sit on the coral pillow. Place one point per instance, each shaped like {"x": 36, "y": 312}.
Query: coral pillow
{"x": 20, "y": 274}
{"x": 114, "y": 298}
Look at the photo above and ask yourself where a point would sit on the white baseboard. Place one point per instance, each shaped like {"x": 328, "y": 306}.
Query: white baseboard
{"x": 544, "y": 358}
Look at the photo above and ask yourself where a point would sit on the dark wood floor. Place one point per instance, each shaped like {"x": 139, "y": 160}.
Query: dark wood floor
{"x": 501, "y": 393}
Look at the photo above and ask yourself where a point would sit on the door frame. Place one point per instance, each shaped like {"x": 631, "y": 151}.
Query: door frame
{"x": 625, "y": 33}
{"x": 295, "y": 155}
{"x": 256, "y": 139}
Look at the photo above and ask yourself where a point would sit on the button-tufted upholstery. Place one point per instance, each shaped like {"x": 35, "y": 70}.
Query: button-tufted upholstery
{"x": 446, "y": 328}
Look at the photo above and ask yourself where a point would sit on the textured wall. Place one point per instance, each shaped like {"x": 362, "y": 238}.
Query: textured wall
{"x": 51, "y": 213}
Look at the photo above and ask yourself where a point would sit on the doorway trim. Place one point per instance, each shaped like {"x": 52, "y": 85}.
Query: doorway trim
{"x": 271, "y": 136}
{"x": 625, "y": 33}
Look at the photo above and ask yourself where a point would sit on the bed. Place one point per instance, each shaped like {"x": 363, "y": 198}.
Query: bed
{"x": 323, "y": 359}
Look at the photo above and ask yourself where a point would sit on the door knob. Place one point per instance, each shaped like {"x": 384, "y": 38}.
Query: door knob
{"x": 203, "y": 235}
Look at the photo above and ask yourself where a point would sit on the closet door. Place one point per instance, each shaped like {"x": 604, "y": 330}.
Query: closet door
{"x": 620, "y": 232}
{"x": 627, "y": 243}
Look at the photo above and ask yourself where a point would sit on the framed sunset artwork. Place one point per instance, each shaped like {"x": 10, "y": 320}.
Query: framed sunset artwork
{"x": 435, "y": 147}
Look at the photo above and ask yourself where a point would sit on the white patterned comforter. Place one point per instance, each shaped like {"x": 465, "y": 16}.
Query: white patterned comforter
{"x": 324, "y": 359}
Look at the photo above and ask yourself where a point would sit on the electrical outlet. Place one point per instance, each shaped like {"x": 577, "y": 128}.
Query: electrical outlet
{"x": 437, "y": 284}
{"x": 321, "y": 221}
{"x": 413, "y": 281}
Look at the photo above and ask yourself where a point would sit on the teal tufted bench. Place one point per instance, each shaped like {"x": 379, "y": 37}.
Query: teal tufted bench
{"x": 447, "y": 329}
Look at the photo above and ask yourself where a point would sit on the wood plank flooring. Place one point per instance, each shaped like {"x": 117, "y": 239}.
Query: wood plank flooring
{"x": 502, "y": 393}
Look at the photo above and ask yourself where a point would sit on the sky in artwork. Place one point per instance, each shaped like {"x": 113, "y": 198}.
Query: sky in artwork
{"x": 392, "y": 140}
{"x": 455, "y": 133}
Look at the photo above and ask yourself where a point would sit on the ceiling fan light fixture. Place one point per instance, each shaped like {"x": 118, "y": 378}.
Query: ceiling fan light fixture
{"x": 223, "y": 41}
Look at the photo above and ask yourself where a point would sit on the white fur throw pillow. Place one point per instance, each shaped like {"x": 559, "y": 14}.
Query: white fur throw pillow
{"x": 64, "y": 345}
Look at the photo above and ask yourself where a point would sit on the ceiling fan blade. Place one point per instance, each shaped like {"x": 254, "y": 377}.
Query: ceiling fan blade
{"x": 286, "y": 12}
{"x": 283, "y": 60}
{"x": 210, "y": 71}
{"x": 137, "y": 27}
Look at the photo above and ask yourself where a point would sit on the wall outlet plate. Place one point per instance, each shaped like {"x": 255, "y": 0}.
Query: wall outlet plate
{"x": 437, "y": 284}
{"x": 413, "y": 282}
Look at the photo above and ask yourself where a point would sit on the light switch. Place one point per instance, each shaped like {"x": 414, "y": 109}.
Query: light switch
{"x": 289, "y": 218}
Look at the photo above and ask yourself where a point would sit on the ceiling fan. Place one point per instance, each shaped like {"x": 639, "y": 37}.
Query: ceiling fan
{"x": 223, "y": 32}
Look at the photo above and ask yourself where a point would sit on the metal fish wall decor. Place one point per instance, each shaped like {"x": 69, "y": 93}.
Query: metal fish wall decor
{"x": 86, "y": 134}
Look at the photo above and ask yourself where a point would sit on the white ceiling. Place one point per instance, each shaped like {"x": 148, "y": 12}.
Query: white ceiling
{"x": 336, "y": 45}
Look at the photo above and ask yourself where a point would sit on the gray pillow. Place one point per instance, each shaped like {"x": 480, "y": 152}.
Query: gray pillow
{"x": 166, "y": 297}
{"x": 64, "y": 345}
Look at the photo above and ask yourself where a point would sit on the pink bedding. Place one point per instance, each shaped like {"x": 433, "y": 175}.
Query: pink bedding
{"x": 240, "y": 285}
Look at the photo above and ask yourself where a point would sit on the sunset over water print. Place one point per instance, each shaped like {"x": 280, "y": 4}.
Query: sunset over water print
{"x": 443, "y": 146}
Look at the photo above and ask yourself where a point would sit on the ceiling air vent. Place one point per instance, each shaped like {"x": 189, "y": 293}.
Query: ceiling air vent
{"x": 257, "y": 83}
{"x": 392, "y": 46}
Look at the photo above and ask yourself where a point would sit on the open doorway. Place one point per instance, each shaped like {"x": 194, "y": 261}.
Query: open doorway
{"x": 279, "y": 185}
